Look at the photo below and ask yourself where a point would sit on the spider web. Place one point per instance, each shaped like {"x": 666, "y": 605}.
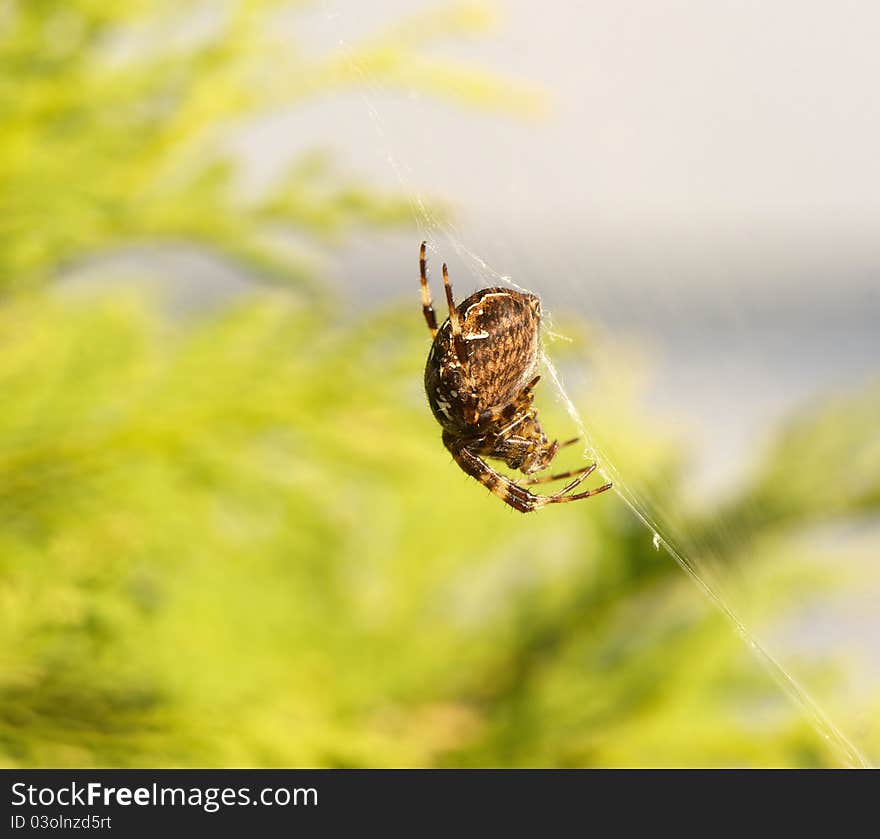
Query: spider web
{"x": 660, "y": 524}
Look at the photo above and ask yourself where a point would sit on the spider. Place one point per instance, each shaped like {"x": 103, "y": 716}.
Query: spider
{"x": 480, "y": 379}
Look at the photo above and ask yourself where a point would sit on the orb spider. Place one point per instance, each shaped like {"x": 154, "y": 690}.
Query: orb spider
{"x": 480, "y": 379}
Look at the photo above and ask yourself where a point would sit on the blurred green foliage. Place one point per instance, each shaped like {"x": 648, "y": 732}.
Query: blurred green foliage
{"x": 220, "y": 549}
{"x": 236, "y": 540}
{"x": 118, "y": 121}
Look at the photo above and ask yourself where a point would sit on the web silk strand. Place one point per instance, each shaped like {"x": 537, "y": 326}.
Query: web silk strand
{"x": 429, "y": 226}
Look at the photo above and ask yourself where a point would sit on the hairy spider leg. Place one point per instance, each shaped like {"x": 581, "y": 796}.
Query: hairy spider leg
{"x": 511, "y": 425}
{"x": 511, "y": 493}
{"x": 546, "y": 479}
{"x": 454, "y": 322}
{"x": 471, "y": 415}
{"x": 581, "y": 474}
{"x": 427, "y": 303}
{"x": 554, "y": 448}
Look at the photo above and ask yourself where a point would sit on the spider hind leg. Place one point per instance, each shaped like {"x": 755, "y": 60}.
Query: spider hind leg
{"x": 581, "y": 473}
{"x": 427, "y": 303}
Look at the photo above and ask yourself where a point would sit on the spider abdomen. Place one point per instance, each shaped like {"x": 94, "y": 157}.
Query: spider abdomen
{"x": 483, "y": 365}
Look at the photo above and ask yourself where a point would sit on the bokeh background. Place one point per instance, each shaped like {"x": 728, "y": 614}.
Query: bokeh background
{"x": 229, "y": 533}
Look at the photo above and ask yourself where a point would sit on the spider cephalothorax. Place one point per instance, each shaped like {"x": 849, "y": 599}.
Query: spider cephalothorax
{"x": 480, "y": 377}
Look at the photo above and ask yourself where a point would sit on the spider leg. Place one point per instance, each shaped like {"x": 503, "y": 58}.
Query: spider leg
{"x": 511, "y": 493}
{"x": 552, "y": 450}
{"x": 556, "y": 499}
{"x": 511, "y": 425}
{"x": 427, "y": 303}
{"x": 453, "y": 312}
{"x": 546, "y": 479}
{"x": 471, "y": 414}
{"x": 578, "y": 480}
{"x": 517, "y": 497}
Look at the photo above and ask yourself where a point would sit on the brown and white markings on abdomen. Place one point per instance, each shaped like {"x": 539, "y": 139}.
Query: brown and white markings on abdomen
{"x": 499, "y": 342}
{"x": 479, "y": 378}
